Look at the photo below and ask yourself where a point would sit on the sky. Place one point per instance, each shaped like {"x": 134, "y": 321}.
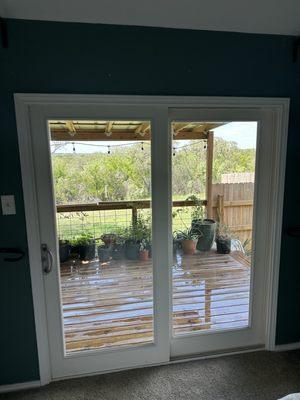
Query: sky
{"x": 243, "y": 133}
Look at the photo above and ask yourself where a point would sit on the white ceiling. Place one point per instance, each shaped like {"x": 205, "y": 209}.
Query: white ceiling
{"x": 254, "y": 16}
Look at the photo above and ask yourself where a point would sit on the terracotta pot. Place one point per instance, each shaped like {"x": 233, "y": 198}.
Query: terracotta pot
{"x": 188, "y": 246}
{"x": 144, "y": 255}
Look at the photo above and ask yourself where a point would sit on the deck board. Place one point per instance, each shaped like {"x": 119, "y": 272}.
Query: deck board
{"x": 112, "y": 304}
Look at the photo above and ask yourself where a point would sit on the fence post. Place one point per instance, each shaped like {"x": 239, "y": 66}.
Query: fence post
{"x": 220, "y": 208}
{"x": 209, "y": 171}
{"x": 134, "y": 216}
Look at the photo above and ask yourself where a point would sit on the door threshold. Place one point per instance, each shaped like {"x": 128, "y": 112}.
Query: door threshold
{"x": 215, "y": 354}
{"x": 173, "y": 360}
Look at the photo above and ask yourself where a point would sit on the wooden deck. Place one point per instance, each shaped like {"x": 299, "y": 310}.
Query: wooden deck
{"x": 112, "y": 304}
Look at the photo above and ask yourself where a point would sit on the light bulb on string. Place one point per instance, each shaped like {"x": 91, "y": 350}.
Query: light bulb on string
{"x": 74, "y": 150}
{"x": 108, "y": 149}
{"x": 204, "y": 144}
{"x": 142, "y": 148}
{"x": 174, "y": 151}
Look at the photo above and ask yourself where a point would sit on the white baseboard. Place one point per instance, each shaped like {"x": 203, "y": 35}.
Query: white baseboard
{"x": 19, "y": 386}
{"x": 288, "y": 346}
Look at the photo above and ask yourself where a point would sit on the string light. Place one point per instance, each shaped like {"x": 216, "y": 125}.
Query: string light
{"x": 142, "y": 144}
{"x": 103, "y": 145}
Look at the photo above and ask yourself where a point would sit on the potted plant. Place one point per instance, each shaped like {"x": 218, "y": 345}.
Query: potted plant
{"x": 223, "y": 240}
{"x": 64, "y": 250}
{"x": 85, "y": 245}
{"x": 134, "y": 236}
{"x": 144, "y": 252}
{"x": 132, "y": 249}
{"x": 204, "y": 227}
{"x": 104, "y": 253}
{"x": 118, "y": 248}
{"x": 188, "y": 240}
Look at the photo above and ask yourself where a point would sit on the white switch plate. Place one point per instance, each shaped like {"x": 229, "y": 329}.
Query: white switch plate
{"x": 8, "y": 205}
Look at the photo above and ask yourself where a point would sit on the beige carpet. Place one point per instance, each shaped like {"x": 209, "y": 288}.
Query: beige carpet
{"x": 259, "y": 375}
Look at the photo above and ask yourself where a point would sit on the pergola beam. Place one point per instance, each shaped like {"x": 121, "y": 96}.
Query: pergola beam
{"x": 108, "y": 128}
{"x": 124, "y": 130}
{"x": 143, "y": 128}
{"x": 71, "y": 127}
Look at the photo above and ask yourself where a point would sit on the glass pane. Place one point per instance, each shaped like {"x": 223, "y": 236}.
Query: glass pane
{"x": 213, "y": 172}
{"x": 102, "y": 183}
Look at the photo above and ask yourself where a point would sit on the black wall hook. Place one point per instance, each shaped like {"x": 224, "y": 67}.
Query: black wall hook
{"x": 12, "y": 254}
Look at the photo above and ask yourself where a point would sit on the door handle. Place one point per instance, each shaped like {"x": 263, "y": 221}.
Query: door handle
{"x": 47, "y": 258}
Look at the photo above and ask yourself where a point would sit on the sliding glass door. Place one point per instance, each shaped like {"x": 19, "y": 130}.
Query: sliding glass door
{"x": 102, "y": 184}
{"x": 104, "y": 230}
{"x": 215, "y": 298}
{"x": 152, "y": 220}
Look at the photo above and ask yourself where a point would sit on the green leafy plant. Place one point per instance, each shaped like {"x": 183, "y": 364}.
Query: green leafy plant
{"x": 186, "y": 234}
{"x": 223, "y": 231}
{"x": 63, "y": 241}
{"x": 139, "y": 231}
{"x": 83, "y": 240}
{"x": 247, "y": 246}
{"x": 143, "y": 245}
{"x": 198, "y": 210}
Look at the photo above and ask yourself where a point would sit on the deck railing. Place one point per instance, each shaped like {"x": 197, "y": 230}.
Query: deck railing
{"x": 134, "y": 206}
{"x": 98, "y": 218}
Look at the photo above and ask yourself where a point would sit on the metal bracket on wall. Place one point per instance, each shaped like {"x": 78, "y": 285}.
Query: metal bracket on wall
{"x": 3, "y": 32}
{"x": 296, "y": 46}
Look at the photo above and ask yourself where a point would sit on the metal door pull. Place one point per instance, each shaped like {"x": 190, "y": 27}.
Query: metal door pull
{"x": 47, "y": 258}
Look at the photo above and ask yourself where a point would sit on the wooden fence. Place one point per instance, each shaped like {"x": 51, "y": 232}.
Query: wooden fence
{"x": 233, "y": 206}
{"x": 237, "y": 177}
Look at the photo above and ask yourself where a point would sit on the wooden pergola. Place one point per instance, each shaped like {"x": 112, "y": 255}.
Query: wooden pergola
{"x": 76, "y": 130}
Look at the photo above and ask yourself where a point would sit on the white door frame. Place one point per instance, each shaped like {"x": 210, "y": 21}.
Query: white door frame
{"x": 279, "y": 111}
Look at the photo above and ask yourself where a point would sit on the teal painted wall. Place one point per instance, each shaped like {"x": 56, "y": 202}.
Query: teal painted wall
{"x": 50, "y": 57}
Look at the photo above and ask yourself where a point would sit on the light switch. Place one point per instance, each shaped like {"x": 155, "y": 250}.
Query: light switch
{"x": 8, "y": 205}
